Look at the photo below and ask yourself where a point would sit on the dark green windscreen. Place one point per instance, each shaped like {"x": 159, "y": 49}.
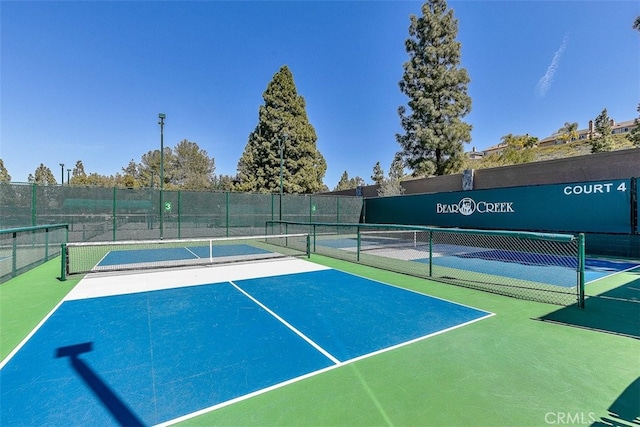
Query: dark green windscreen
{"x": 599, "y": 206}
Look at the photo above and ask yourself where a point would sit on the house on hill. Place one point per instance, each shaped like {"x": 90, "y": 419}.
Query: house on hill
{"x": 588, "y": 133}
{"x": 556, "y": 138}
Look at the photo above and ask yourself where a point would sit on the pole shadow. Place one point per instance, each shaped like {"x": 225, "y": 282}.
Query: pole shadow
{"x": 123, "y": 415}
{"x": 626, "y": 408}
{"x": 616, "y": 311}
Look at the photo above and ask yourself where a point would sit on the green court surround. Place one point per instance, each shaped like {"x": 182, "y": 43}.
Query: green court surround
{"x": 511, "y": 369}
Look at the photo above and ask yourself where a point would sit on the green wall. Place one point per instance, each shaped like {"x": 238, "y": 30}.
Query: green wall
{"x": 599, "y": 206}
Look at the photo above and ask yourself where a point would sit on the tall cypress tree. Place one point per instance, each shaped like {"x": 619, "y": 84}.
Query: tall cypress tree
{"x": 282, "y": 122}
{"x": 437, "y": 91}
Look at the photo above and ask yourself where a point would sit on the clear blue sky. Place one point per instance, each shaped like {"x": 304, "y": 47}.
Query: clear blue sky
{"x": 86, "y": 80}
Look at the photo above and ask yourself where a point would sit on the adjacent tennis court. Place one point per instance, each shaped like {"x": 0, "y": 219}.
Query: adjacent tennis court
{"x": 546, "y": 269}
{"x": 162, "y": 346}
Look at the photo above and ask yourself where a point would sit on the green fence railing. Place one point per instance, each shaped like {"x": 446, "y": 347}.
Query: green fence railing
{"x": 24, "y": 248}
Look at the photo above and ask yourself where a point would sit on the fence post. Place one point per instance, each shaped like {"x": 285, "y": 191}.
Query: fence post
{"x": 430, "y": 253}
{"x": 226, "y": 221}
{"x": 272, "y": 207}
{"x": 358, "y": 243}
{"x": 179, "y": 204}
{"x": 63, "y": 262}
{"x": 581, "y": 256}
{"x": 114, "y": 221}
{"x": 34, "y": 199}
{"x": 14, "y": 255}
{"x": 46, "y": 244}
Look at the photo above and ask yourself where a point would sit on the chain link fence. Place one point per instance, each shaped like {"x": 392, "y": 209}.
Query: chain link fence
{"x": 111, "y": 214}
{"x": 533, "y": 266}
{"x": 22, "y": 249}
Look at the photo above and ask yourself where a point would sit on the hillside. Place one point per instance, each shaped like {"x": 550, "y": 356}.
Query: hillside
{"x": 537, "y": 154}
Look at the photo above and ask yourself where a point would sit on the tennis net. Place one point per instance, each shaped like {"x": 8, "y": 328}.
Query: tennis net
{"x": 88, "y": 257}
{"x": 534, "y": 266}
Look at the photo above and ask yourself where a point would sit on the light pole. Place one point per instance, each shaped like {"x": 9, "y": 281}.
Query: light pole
{"x": 161, "y": 116}
{"x": 62, "y": 166}
{"x": 68, "y": 176}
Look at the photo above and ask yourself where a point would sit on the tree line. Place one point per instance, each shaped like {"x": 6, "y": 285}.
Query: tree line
{"x": 281, "y": 152}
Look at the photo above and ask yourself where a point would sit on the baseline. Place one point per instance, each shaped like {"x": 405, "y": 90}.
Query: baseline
{"x": 101, "y": 285}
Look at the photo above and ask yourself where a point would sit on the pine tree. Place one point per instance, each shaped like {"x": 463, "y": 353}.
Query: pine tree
{"x": 603, "y": 141}
{"x": 194, "y": 168}
{"x": 378, "y": 174}
{"x": 343, "y": 184}
{"x": 634, "y": 135}
{"x": 283, "y": 131}
{"x": 78, "y": 175}
{"x": 4, "y": 173}
{"x": 130, "y": 176}
{"x": 392, "y": 186}
{"x": 347, "y": 183}
{"x": 149, "y": 168}
{"x": 437, "y": 91}
{"x": 43, "y": 175}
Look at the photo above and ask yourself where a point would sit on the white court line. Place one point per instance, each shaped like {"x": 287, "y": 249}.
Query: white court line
{"x": 192, "y": 253}
{"x": 317, "y": 372}
{"x": 101, "y": 285}
{"x": 288, "y": 325}
{"x": 28, "y": 337}
{"x": 110, "y": 285}
{"x": 611, "y": 275}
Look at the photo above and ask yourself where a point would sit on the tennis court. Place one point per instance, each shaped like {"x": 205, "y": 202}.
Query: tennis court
{"x": 263, "y": 330}
{"x": 545, "y": 269}
{"x": 158, "y": 347}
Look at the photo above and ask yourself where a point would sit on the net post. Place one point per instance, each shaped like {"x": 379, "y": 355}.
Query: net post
{"x": 63, "y": 262}
{"x": 581, "y": 257}
{"x": 14, "y": 255}
{"x": 46, "y": 244}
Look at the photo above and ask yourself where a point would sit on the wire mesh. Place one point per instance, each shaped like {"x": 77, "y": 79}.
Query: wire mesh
{"x": 85, "y": 257}
{"x": 114, "y": 214}
{"x": 24, "y": 248}
{"x": 532, "y": 266}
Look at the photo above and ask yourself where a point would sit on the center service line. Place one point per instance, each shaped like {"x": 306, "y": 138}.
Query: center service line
{"x": 288, "y": 325}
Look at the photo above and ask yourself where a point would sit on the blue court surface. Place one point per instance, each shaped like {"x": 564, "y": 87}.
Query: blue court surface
{"x": 157, "y": 356}
{"x": 551, "y": 270}
{"x": 135, "y": 256}
{"x": 543, "y": 268}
